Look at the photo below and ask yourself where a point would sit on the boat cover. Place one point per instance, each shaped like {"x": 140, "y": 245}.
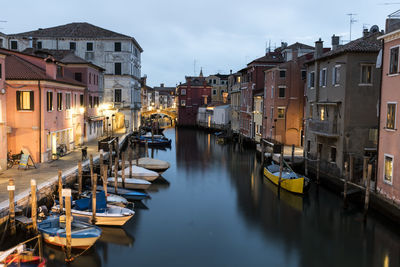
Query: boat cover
{"x": 86, "y": 203}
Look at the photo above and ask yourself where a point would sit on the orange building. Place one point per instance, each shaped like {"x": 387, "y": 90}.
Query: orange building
{"x": 44, "y": 105}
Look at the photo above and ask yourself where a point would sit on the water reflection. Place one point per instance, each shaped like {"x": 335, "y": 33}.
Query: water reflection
{"x": 56, "y": 257}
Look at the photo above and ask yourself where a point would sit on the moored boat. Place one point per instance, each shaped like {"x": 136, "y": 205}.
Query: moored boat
{"x": 129, "y": 194}
{"x": 156, "y": 165}
{"x": 112, "y": 199}
{"x": 140, "y": 173}
{"x": 290, "y": 180}
{"x": 21, "y": 256}
{"x": 130, "y": 183}
{"x": 83, "y": 235}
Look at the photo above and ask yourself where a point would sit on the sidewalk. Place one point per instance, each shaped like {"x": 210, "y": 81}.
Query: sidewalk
{"x": 46, "y": 174}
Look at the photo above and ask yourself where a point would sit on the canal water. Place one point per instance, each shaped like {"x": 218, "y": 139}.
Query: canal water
{"x": 216, "y": 209}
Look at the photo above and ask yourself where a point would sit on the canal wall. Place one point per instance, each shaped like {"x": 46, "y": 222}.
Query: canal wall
{"x": 46, "y": 190}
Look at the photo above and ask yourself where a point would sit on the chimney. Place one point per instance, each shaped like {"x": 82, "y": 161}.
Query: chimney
{"x": 335, "y": 42}
{"x": 230, "y": 71}
{"x": 318, "y": 48}
{"x": 283, "y": 45}
{"x": 51, "y": 68}
{"x": 365, "y": 33}
{"x": 161, "y": 85}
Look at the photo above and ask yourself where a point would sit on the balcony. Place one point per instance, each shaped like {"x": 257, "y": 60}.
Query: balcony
{"x": 323, "y": 128}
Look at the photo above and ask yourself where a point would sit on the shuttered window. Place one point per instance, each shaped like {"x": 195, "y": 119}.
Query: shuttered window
{"x": 25, "y": 100}
{"x": 49, "y": 101}
{"x": 59, "y": 101}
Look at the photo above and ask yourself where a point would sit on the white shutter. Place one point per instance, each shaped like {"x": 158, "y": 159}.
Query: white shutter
{"x": 320, "y": 78}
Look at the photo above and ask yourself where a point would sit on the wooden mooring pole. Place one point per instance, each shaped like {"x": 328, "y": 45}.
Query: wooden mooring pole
{"x": 105, "y": 178}
{"x": 367, "y": 190}
{"x": 91, "y": 166}
{"x": 79, "y": 177}
{"x": 110, "y": 161}
{"x": 116, "y": 175}
{"x": 68, "y": 219}
{"x": 94, "y": 189}
{"x": 123, "y": 169}
{"x": 280, "y": 169}
{"x": 137, "y": 154}
{"x": 34, "y": 205}
{"x": 101, "y": 160}
{"x": 147, "y": 148}
{"x": 306, "y": 163}
{"x": 11, "y": 191}
{"x": 130, "y": 161}
{"x": 345, "y": 185}
{"x": 60, "y": 186}
{"x": 293, "y": 148}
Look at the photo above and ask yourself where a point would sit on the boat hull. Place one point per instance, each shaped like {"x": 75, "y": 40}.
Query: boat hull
{"x": 78, "y": 243}
{"x": 103, "y": 219}
{"x": 291, "y": 185}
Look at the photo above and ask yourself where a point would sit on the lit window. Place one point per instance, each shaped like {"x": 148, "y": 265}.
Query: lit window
{"x": 183, "y": 103}
{"x": 281, "y": 112}
{"x": 388, "y": 169}
{"x": 322, "y": 113}
{"x": 391, "y": 116}
{"x": 25, "y": 100}
{"x": 366, "y": 74}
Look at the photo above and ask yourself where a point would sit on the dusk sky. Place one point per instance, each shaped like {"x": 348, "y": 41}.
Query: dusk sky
{"x": 179, "y": 37}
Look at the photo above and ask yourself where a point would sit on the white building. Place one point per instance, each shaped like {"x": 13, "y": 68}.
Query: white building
{"x": 118, "y": 54}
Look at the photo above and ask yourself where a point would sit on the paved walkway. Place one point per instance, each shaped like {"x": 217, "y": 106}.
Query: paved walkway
{"x": 46, "y": 173}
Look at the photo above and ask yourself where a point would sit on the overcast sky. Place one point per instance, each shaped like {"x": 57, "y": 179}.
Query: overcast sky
{"x": 180, "y": 36}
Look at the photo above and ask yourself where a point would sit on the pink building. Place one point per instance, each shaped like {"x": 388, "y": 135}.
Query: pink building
{"x": 3, "y": 128}
{"x": 44, "y": 105}
{"x": 388, "y": 176}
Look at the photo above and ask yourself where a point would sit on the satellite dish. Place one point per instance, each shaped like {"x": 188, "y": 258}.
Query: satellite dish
{"x": 374, "y": 29}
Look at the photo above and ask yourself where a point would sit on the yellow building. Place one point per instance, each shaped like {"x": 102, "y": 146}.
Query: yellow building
{"x": 219, "y": 91}
{"x": 258, "y": 116}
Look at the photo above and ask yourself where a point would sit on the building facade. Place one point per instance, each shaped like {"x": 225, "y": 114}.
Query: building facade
{"x": 3, "y": 114}
{"x": 118, "y": 54}
{"x": 192, "y": 94}
{"x": 258, "y": 116}
{"x": 388, "y": 181}
{"x": 234, "y": 95}
{"x": 219, "y": 91}
{"x": 342, "y": 98}
{"x": 284, "y": 97}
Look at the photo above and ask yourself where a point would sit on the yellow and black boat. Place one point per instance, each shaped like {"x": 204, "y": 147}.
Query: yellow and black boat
{"x": 290, "y": 180}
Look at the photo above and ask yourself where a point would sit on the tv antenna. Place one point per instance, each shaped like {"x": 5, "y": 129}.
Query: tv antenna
{"x": 352, "y": 21}
{"x": 3, "y": 21}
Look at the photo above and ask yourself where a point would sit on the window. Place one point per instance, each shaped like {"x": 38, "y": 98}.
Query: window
{"x": 48, "y": 145}
{"x": 1, "y": 42}
{"x": 311, "y": 79}
{"x": 59, "y": 101}
{"x": 117, "y": 95}
{"x": 308, "y": 146}
{"x": 332, "y": 154}
{"x": 72, "y": 46}
{"x": 272, "y": 113}
{"x": 272, "y": 92}
{"x": 183, "y": 91}
{"x": 117, "y": 46}
{"x": 49, "y": 101}
{"x": 303, "y": 74}
{"x": 1, "y": 71}
{"x": 81, "y": 100}
{"x": 183, "y": 103}
{"x": 68, "y": 101}
{"x": 281, "y": 112}
{"x": 90, "y": 78}
{"x": 90, "y": 101}
{"x": 25, "y": 100}
{"x": 394, "y": 60}
{"x": 322, "y": 112}
{"x": 75, "y": 101}
{"x": 214, "y": 81}
{"x": 214, "y": 91}
{"x": 89, "y": 46}
{"x": 14, "y": 45}
{"x": 282, "y": 74}
{"x": 78, "y": 76}
{"x": 60, "y": 71}
{"x": 391, "y": 116}
{"x": 39, "y": 45}
{"x": 282, "y": 90}
{"x": 117, "y": 68}
{"x": 388, "y": 175}
{"x": 322, "y": 77}
{"x": 310, "y": 112}
{"x": 336, "y": 75}
{"x": 366, "y": 74}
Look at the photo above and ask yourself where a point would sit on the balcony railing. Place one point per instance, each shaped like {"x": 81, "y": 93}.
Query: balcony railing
{"x": 323, "y": 127}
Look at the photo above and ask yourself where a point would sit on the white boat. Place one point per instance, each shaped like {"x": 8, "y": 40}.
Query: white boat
{"x": 140, "y": 173}
{"x": 156, "y": 165}
{"x": 112, "y": 199}
{"x": 130, "y": 183}
{"x": 105, "y": 214}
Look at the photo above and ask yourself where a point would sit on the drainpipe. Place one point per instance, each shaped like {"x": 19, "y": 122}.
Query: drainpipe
{"x": 379, "y": 117}
{"x": 40, "y": 122}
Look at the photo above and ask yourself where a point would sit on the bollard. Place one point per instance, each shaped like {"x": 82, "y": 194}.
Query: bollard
{"x": 123, "y": 169}
{"x": 345, "y": 185}
{"x": 105, "y": 178}
{"x": 79, "y": 178}
{"x": 11, "y": 190}
{"x": 94, "y": 188}
{"x": 130, "y": 162}
{"x": 60, "y": 186}
{"x": 34, "y": 205}
{"x": 367, "y": 189}
{"x": 68, "y": 229}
